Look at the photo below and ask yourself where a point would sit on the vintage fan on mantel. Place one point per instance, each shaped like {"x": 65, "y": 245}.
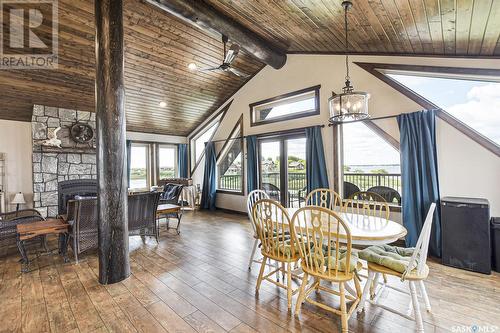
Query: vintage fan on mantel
{"x": 229, "y": 56}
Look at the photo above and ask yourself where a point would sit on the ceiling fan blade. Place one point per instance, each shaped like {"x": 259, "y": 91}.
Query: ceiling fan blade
{"x": 231, "y": 54}
{"x": 237, "y": 72}
{"x": 209, "y": 69}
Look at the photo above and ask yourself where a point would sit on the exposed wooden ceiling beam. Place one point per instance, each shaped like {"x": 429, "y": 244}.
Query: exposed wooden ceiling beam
{"x": 209, "y": 19}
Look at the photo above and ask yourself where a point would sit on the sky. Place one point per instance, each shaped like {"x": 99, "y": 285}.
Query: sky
{"x": 291, "y": 108}
{"x": 296, "y": 147}
{"x": 139, "y": 154}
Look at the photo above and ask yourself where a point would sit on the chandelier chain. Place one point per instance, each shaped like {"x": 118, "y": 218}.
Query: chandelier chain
{"x": 346, "y": 8}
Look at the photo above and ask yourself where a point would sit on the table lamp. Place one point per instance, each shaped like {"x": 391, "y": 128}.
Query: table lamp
{"x": 18, "y": 200}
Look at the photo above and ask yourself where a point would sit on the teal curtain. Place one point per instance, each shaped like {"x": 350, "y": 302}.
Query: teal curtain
{"x": 419, "y": 176}
{"x": 251, "y": 163}
{"x": 182, "y": 160}
{"x": 316, "y": 174}
{"x": 208, "y": 193}
{"x": 129, "y": 151}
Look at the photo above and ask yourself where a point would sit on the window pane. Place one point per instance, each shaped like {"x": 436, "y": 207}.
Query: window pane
{"x": 167, "y": 162}
{"x": 299, "y": 104}
{"x": 369, "y": 161}
{"x": 296, "y": 152}
{"x": 230, "y": 165}
{"x": 138, "y": 166}
{"x": 476, "y": 103}
{"x": 199, "y": 143}
{"x": 270, "y": 168}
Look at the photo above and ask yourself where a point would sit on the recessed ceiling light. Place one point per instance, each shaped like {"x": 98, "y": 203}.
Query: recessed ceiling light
{"x": 192, "y": 66}
{"x": 163, "y": 104}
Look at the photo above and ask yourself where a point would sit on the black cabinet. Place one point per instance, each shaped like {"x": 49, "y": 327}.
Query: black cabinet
{"x": 465, "y": 233}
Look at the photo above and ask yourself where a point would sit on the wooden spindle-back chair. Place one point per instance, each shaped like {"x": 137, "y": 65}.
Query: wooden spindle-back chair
{"x": 253, "y": 197}
{"x": 325, "y": 246}
{"x": 324, "y": 197}
{"x": 367, "y": 208}
{"x": 272, "y": 225}
{"x": 415, "y": 274}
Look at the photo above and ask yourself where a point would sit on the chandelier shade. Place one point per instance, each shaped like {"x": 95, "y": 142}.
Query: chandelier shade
{"x": 349, "y": 106}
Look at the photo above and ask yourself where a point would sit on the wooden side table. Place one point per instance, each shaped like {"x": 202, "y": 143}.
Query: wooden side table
{"x": 41, "y": 228}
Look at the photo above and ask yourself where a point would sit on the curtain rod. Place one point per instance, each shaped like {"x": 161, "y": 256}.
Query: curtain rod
{"x": 322, "y": 126}
{"x": 376, "y": 118}
{"x": 275, "y": 132}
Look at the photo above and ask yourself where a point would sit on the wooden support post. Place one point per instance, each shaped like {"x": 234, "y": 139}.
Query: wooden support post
{"x": 114, "y": 263}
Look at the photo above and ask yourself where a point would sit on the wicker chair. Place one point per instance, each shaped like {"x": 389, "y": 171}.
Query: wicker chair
{"x": 142, "y": 214}
{"x": 10, "y": 220}
{"x": 82, "y": 216}
{"x": 389, "y": 194}
{"x": 350, "y": 189}
{"x": 272, "y": 190}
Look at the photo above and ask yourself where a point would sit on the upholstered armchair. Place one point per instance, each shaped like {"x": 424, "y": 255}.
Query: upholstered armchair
{"x": 171, "y": 194}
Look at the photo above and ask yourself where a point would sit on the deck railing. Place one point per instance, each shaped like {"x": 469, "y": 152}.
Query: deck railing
{"x": 366, "y": 180}
{"x": 297, "y": 180}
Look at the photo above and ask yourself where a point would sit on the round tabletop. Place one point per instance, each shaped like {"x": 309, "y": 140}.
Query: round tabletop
{"x": 368, "y": 230}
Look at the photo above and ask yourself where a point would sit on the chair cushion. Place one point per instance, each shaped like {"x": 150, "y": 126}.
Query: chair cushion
{"x": 332, "y": 262}
{"x": 285, "y": 247}
{"x": 393, "y": 257}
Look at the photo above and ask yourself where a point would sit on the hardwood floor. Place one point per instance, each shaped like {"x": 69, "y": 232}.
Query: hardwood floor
{"x": 199, "y": 282}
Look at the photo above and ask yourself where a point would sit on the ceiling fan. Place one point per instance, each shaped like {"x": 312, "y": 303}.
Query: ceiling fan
{"x": 229, "y": 56}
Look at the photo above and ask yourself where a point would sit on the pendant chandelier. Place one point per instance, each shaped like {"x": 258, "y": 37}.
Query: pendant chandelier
{"x": 350, "y": 105}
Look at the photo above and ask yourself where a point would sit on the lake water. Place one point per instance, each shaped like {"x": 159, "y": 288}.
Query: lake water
{"x": 390, "y": 168}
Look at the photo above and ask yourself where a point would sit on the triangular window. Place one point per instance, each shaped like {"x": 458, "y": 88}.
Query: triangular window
{"x": 475, "y": 101}
{"x": 230, "y": 162}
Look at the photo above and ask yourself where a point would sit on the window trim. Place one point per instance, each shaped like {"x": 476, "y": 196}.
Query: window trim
{"x": 239, "y": 124}
{"x": 373, "y": 68}
{"x": 316, "y": 111}
{"x": 160, "y": 145}
{"x": 221, "y": 114}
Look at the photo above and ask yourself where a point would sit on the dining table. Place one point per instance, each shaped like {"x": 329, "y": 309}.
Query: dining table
{"x": 367, "y": 230}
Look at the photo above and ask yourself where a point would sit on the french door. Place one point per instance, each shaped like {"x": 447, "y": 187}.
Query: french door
{"x": 282, "y": 168}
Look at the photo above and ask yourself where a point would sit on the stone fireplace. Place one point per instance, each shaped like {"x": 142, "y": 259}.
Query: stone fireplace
{"x": 52, "y": 165}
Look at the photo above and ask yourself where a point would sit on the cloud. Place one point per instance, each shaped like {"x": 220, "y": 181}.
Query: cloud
{"x": 481, "y": 111}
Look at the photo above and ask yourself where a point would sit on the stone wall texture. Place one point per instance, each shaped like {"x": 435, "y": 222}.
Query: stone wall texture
{"x": 52, "y": 165}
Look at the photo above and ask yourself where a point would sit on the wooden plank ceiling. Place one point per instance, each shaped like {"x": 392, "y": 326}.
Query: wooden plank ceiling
{"x": 159, "y": 47}
{"x": 432, "y": 27}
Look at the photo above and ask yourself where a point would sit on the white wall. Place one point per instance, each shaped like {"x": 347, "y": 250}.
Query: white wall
{"x": 15, "y": 143}
{"x": 465, "y": 167}
{"x": 149, "y": 137}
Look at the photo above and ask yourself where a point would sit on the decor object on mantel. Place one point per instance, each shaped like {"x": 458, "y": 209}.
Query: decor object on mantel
{"x": 52, "y": 140}
{"x": 350, "y": 105}
{"x": 81, "y": 132}
{"x": 18, "y": 200}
